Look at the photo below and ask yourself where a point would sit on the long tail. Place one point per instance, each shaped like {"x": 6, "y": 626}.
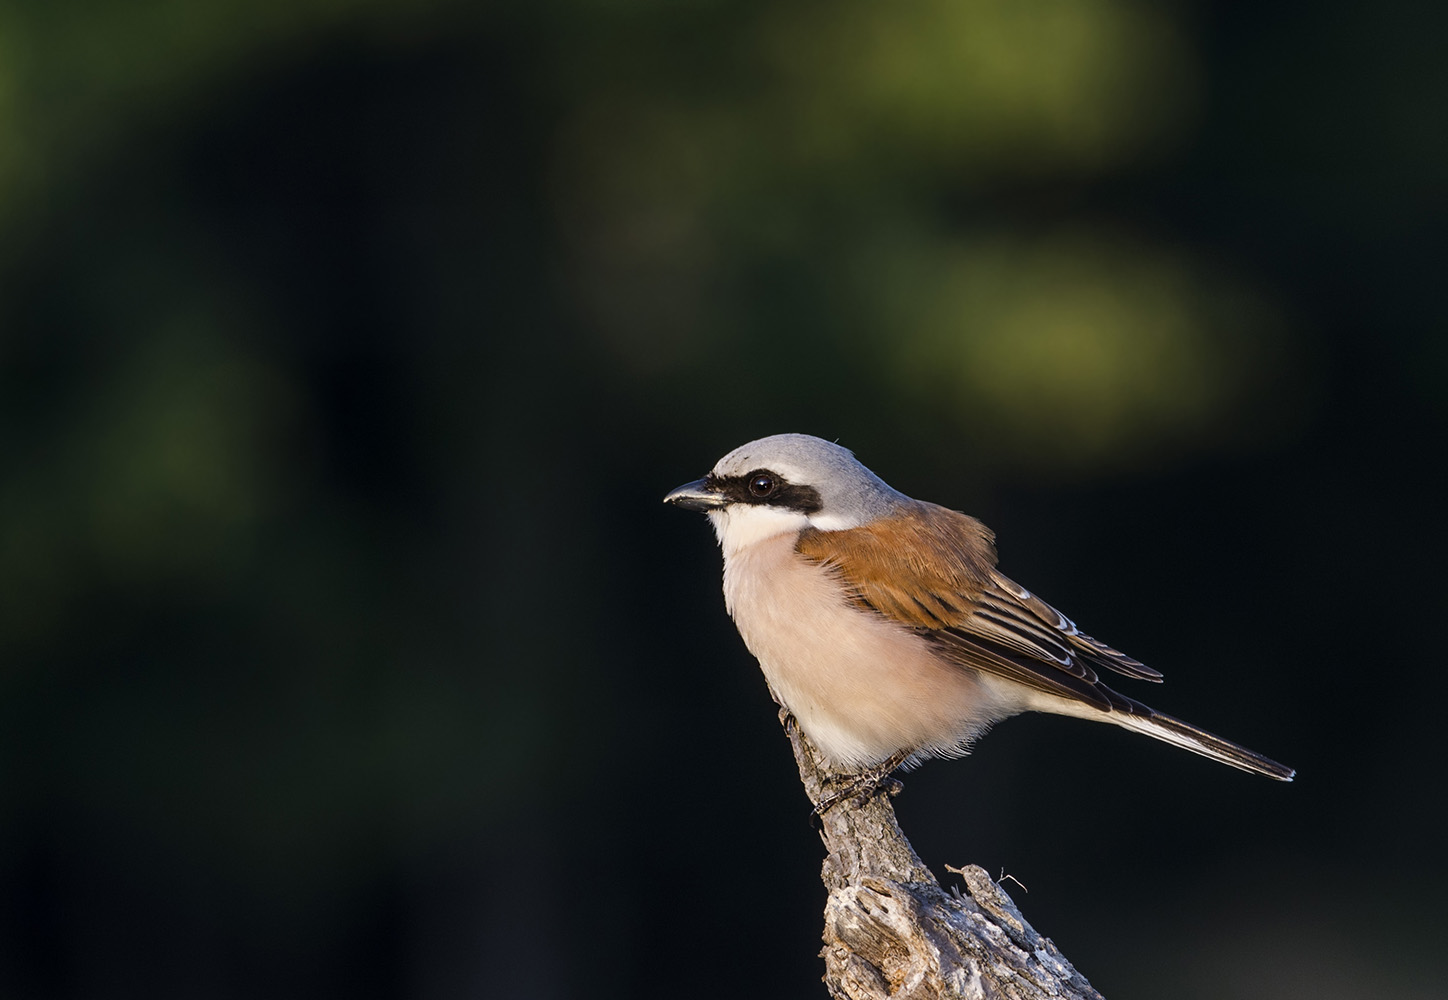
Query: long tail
{"x": 1189, "y": 737}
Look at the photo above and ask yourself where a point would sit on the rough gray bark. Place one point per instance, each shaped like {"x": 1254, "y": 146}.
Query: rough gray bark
{"x": 892, "y": 931}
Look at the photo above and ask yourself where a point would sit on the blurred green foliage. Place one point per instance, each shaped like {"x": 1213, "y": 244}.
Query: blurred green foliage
{"x": 693, "y": 142}
{"x": 841, "y": 139}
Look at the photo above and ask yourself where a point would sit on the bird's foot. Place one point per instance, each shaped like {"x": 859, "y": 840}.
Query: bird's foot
{"x": 867, "y": 784}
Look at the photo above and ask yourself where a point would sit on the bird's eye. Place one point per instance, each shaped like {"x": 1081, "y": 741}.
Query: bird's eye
{"x": 761, "y": 485}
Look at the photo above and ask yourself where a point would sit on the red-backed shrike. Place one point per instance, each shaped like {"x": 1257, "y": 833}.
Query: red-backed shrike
{"x": 882, "y": 624}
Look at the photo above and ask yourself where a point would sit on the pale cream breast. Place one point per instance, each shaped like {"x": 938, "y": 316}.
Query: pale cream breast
{"x": 861, "y": 686}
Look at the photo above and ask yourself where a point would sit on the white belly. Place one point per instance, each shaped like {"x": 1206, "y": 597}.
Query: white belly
{"x": 861, "y": 687}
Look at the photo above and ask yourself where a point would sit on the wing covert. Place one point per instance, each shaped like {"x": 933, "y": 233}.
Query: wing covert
{"x": 933, "y": 570}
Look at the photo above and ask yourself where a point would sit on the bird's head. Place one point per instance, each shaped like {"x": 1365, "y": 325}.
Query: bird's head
{"x": 784, "y": 483}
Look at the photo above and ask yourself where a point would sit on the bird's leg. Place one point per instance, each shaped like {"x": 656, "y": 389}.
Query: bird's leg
{"x": 867, "y": 784}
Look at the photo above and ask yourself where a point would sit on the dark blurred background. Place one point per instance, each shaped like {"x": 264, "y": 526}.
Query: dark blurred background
{"x": 347, "y": 348}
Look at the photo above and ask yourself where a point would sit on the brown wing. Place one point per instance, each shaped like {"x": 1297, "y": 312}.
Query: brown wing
{"x": 933, "y": 569}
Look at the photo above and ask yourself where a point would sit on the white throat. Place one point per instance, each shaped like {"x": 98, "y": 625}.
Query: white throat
{"x": 739, "y": 526}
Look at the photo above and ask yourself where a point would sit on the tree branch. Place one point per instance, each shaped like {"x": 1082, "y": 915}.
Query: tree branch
{"x": 892, "y": 931}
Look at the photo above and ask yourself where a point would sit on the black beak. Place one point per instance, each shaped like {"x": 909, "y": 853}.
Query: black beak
{"x": 696, "y": 496}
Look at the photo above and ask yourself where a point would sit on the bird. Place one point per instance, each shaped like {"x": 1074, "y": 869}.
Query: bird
{"x": 883, "y": 626}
